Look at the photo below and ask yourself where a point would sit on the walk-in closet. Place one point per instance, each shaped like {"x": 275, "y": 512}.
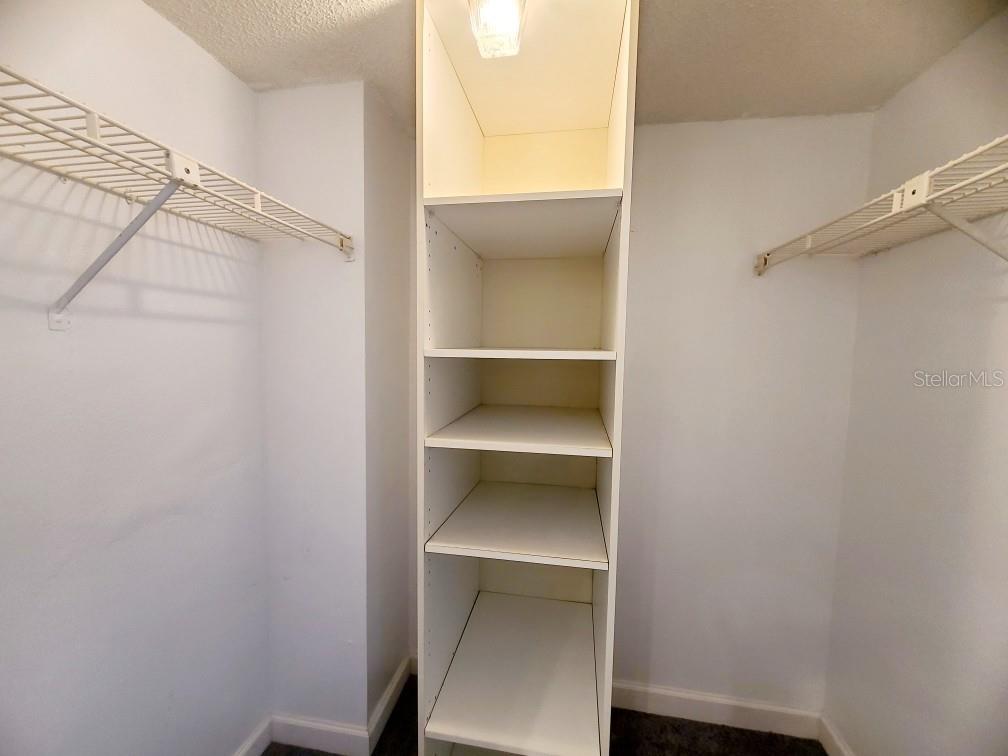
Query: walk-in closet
{"x": 503, "y": 378}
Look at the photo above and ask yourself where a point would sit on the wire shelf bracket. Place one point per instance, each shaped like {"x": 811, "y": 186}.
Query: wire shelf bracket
{"x": 51, "y": 132}
{"x": 953, "y": 196}
{"x": 971, "y": 230}
{"x": 59, "y": 320}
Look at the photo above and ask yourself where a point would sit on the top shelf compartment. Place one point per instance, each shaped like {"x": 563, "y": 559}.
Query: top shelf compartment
{"x": 544, "y": 224}
{"x": 551, "y": 118}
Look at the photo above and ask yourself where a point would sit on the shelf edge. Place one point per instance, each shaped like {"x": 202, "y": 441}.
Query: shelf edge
{"x": 525, "y": 448}
{"x": 515, "y": 556}
{"x": 493, "y": 353}
{"x": 477, "y": 199}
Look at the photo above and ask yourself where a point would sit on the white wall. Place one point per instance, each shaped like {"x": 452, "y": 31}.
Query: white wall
{"x": 388, "y": 192}
{"x": 134, "y": 615}
{"x": 736, "y": 404}
{"x": 311, "y": 153}
{"x": 919, "y": 659}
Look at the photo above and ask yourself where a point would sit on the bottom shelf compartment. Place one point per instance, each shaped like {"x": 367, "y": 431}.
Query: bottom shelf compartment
{"x": 522, "y": 679}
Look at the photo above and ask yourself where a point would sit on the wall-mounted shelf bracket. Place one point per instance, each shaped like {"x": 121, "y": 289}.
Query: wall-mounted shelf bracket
{"x": 971, "y": 230}
{"x": 59, "y": 320}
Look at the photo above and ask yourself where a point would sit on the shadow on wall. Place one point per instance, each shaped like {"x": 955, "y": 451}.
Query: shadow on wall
{"x": 174, "y": 269}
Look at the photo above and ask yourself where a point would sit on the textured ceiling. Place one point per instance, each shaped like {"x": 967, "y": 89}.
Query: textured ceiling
{"x": 698, "y": 59}
{"x": 703, "y": 60}
{"x": 282, "y": 43}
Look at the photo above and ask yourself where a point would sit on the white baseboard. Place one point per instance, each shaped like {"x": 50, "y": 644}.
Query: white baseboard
{"x": 258, "y": 741}
{"x": 383, "y": 708}
{"x": 353, "y": 740}
{"x": 321, "y": 734}
{"x": 705, "y": 707}
{"x": 831, "y": 739}
{"x": 340, "y": 737}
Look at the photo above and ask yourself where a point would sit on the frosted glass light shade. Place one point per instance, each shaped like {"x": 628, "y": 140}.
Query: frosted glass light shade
{"x": 497, "y": 26}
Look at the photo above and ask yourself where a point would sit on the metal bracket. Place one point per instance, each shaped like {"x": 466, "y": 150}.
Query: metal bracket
{"x": 762, "y": 264}
{"x": 183, "y": 168}
{"x": 346, "y": 247}
{"x": 914, "y": 192}
{"x": 969, "y": 228}
{"x": 59, "y": 320}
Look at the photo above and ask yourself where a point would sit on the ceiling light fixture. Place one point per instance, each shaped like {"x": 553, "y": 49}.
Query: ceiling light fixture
{"x": 497, "y": 26}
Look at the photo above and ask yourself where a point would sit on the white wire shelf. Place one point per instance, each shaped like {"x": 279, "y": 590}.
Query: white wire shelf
{"x": 971, "y": 187}
{"x": 49, "y": 131}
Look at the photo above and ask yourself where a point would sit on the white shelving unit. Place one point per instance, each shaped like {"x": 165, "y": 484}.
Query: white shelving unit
{"x": 523, "y": 240}
{"x": 971, "y": 187}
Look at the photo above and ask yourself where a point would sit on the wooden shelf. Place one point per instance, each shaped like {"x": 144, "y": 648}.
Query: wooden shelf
{"x": 493, "y": 353}
{"x": 522, "y": 679}
{"x": 544, "y": 224}
{"x": 522, "y": 522}
{"x": 539, "y": 430}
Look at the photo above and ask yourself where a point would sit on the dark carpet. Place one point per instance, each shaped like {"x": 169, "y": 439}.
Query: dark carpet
{"x": 633, "y": 734}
